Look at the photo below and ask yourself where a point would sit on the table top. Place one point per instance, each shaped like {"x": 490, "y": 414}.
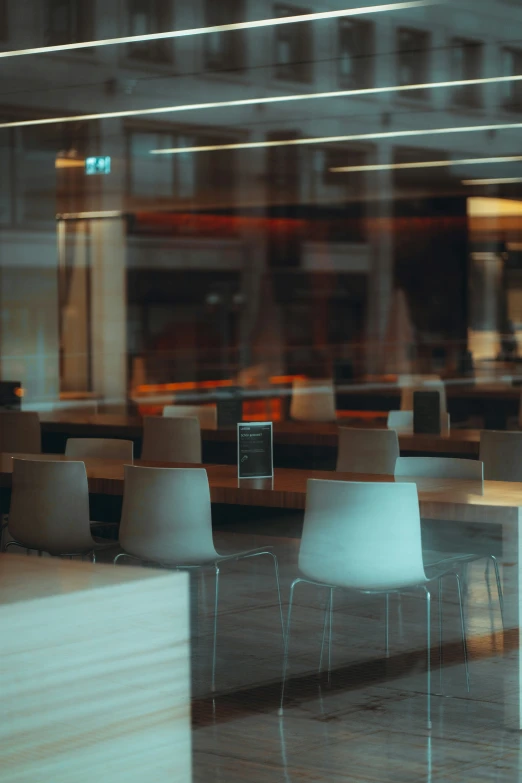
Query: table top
{"x": 292, "y": 433}
{"x": 33, "y": 578}
{"x": 288, "y": 487}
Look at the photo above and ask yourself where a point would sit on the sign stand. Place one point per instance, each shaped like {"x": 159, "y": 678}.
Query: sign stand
{"x": 426, "y": 413}
{"x": 255, "y": 450}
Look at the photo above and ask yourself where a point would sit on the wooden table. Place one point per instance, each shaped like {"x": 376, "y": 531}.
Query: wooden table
{"x": 494, "y": 401}
{"x": 316, "y": 442}
{"x": 497, "y": 506}
{"x": 95, "y": 661}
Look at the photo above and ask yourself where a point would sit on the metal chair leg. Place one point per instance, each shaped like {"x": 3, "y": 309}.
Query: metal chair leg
{"x": 93, "y": 556}
{"x": 325, "y": 626}
{"x": 3, "y": 528}
{"x": 463, "y": 630}
{"x": 287, "y": 644}
{"x": 428, "y": 655}
{"x": 12, "y": 543}
{"x": 330, "y": 630}
{"x": 214, "y": 646}
{"x": 440, "y": 636}
{"x": 387, "y": 625}
{"x": 124, "y": 554}
{"x": 499, "y": 587}
{"x": 278, "y": 585}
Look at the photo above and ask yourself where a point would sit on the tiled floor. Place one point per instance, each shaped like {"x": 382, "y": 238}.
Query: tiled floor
{"x": 368, "y": 725}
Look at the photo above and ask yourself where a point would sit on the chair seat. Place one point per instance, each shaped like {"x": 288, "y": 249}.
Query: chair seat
{"x": 438, "y": 564}
{"x": 212, "y": 561}
{"x": 432, "y": 558}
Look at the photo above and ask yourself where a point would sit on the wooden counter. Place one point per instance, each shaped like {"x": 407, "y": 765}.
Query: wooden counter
{"x": 309, "y": 436}
{"x": 95, "y": 673}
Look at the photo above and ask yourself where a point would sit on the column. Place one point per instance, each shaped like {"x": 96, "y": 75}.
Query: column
{"x": 109, "y": 309}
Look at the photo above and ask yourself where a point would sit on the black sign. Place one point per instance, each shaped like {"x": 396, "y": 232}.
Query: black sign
{"x": 426, "y": 412}
{"x": 10, "y": 395}
{"x": 229, "y": 407}
{"x": 343, "y": 371}
{"x": 255, "y": 450}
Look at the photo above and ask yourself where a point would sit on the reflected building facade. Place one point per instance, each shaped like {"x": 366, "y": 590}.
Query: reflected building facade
{"x": 214, "y": 248}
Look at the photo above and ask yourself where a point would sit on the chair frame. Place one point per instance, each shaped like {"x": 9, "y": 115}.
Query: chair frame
{"x": 215, "y": 565}
{"x": 328, "y": 626}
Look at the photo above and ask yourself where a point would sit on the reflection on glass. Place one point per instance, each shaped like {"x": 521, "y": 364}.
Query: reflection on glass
{"x": 324, "y": 214}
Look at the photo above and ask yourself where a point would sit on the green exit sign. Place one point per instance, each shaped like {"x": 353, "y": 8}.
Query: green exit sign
{"x": 98, "y": 165}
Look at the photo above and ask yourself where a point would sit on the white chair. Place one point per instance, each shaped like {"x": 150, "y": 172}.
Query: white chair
{"x": 367, "y": 537}
{"x": 102, "y": 448}
{"x": 207, "y": 414}
{"x": 439, "y": 467}
{"x": 313, "y": 400}
{"x": 166, "y": 519}
{"x": 167, "y": 439}
{"x": 50, "y": 508}
{"x": 443, "y": 468}
{"x": 402, "y": 422}
{"x": 367, "y": 451}
{"x": 20, "y": 432}
{"x": 501, "y": 453}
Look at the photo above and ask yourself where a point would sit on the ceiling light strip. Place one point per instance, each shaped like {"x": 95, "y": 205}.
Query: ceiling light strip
{"x": 492, "y": 181}
{"x": 427, "y": 164}
{"x": 277, "y": 21}
{"x": 336, "y": 139}
{"x": 253, "y": 101}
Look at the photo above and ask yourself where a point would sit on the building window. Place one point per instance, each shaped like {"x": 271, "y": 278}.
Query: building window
{"x": 194, "y": 179}
{"x": 466, "y": 63}
{"x": 151, "y": 176}
{"x": 294, "y": 47}
{"x": 4, "y": 24}
{"x": 145, "y": 18}
{"x": 356, "y": 48}
{"x": 68, "y": 21}
{"x": 511, "y": 91}
{"x": 224, "y": 50}
{"x": 413, "y": 59}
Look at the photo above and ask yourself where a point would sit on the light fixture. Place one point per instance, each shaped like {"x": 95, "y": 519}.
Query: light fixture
{"x": 492, "y": 181}
{"x": 336, "y": 139}
{"x": 279, "y": 20}
{"x": 89, "y": 215}
{"x": 254, "y": 101}
{"x": 427, "y": 164}
{"x": 69, "y": 163}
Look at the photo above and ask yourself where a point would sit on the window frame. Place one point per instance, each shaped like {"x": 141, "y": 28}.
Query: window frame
{"x": 158, "y": 52}
{"x": 513, "y": 102}
{"x": 422, "y": 52}
{"x": 468, "y": 95}
{"x": 233, "y": 54}
{"x": 82, "y": 18}
{"x": 4, "y": 21}
{"x": 290, "y": 72}
{"x": 365, "y": 59}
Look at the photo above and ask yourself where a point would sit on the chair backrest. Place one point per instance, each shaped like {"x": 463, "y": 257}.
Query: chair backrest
{"x": 103, "y": 448}
{"x": 439, "y": 467}
{"x": 362, "y": 535}
{"x": 166, "y": 515}
{"x": 207, "y": 414}
{"x": 501, "y": 453}
{"x": 20, "y": 432}
{"x": 367, "y": 451}
{"x": 418, "y": 383}
{"x": 167, "y": 439}
{"x": 313, "y": 400}
{"x": 50, "y": 506}
{"x": 402, "y": 422}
